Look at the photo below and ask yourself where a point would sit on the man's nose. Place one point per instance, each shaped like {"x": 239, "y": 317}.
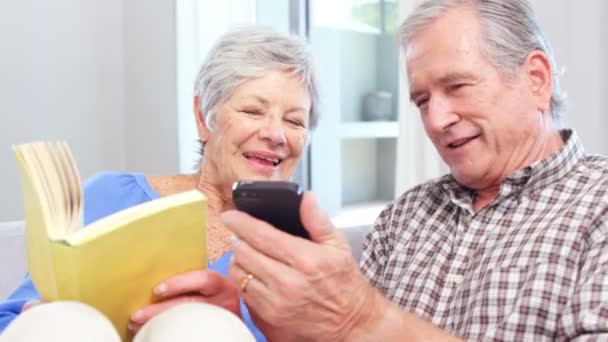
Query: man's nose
{"x": 273, "y": 130}
{"x": 440, "y": 115}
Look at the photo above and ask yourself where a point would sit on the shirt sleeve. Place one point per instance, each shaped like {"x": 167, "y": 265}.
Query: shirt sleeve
{"x": 585, "y": 317}
{"x": 107, "y": 193}
{"x": 375, "y": 250}
{"x": 391, "y": 226}
{"x": 11, "y": 307}
{"x": 259, "y": 337}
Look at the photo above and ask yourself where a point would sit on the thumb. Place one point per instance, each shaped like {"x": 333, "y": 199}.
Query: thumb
{"x": 317, "y": 223}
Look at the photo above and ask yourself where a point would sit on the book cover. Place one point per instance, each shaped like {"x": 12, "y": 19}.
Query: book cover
{"x": 114, "y": 263}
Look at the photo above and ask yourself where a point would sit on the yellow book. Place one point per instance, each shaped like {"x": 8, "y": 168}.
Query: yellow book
{"x": 114, "y": 263}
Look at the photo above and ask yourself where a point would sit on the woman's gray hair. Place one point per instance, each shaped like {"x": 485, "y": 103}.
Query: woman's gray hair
{"x": 511, "y": 33}
{"x": 248, "y": 52}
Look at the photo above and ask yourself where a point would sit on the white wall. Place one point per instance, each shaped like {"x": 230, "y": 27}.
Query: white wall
{"x": 62, "y": 78}
{"x": 574, "y": 29}
{"x": 604, "y": 67}
{"x": 151, "y": 85}
{"x": 97, "y": 73}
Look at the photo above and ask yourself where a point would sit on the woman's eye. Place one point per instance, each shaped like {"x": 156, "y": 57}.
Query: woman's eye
{"x": 252, "y": 111}
{"x": 296, "y": 122}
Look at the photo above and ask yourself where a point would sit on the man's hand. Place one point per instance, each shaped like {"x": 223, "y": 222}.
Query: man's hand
{"x": 198, "y": 286}
{"x": 300, "y": 288}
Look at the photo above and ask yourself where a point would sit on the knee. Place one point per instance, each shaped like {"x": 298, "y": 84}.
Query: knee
{"x": 61, "y": 321}
{"x": 195, "y": 322}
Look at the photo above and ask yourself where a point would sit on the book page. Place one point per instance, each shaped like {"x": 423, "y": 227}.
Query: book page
{"x": 52, "y": 170}
{"x": 32, "y": 174}
{"x": 72, "y": 187}
{"x": 35, "y": 161}
{"x": 59, "y": 185}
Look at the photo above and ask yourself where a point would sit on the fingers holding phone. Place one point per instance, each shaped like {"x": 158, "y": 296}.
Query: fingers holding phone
{"x": 287, "y": 283}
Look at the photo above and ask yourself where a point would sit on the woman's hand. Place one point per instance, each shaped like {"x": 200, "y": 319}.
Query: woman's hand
{"x": 198, "y": 286}
{"x": 31, "y": 303}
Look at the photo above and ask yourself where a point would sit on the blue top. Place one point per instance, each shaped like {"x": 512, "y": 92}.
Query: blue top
{"x": 105, "y": 194}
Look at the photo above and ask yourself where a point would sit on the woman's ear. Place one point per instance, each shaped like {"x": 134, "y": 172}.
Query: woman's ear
{"x": 199, "y": 116}
{"x": 540, "y": 74}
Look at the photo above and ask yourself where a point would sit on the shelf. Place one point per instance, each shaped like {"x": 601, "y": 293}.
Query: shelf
{"x": 369, "y": 129}
{"x": 359, "y": 214}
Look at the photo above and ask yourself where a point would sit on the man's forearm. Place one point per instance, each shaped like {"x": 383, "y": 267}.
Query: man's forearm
{"x": 387, "y": 322}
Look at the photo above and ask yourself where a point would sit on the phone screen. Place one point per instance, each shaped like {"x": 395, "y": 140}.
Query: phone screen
{"x": 275, "y": 202}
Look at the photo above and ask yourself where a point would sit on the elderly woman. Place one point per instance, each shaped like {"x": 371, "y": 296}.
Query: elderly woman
{"x": 254, "y": 107}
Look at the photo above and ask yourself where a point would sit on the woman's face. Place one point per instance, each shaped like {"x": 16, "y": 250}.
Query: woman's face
{"x": 260, "y": 131}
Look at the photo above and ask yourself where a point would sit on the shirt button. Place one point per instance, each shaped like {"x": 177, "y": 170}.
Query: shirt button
{"x": 456, "y": 278}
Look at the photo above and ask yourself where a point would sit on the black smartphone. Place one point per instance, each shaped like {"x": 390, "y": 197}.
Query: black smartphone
{"x": 275, "y": 202}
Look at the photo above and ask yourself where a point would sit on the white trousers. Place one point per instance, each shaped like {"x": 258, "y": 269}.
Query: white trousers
{"x": 76, "y": 322}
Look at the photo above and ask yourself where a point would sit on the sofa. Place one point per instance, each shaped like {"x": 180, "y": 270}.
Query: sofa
{"x": 13, "y": 261}
{"x": 12, "y": 256}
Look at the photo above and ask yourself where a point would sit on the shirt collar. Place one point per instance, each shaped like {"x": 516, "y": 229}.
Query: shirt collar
{"x": 530, "y": 178}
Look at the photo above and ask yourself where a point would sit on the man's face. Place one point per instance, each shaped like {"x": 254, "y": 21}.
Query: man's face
{"x": 482, "y": 124}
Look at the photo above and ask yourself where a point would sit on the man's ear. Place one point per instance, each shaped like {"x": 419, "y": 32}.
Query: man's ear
{"x": 199, "y": 116}
{"x": 540, "y": 74}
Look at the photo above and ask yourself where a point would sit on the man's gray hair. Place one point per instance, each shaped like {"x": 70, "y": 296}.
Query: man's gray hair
{"x": 511, "y": 33}
{"x": 248, "y": 52}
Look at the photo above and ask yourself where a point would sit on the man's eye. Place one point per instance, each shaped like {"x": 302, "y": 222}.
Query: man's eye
{"x": 457, "y": 86}
{"x": 421, "y": 102}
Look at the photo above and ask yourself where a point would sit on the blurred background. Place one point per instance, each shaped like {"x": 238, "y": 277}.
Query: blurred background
{"x": 114, "y": 79}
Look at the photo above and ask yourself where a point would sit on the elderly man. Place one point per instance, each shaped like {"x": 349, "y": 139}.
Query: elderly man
{"x": 511, "y": 245}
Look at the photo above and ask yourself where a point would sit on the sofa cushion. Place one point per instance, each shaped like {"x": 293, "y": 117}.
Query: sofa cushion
{"x": 13, "y": 265}
{"x": 355, "y": 236}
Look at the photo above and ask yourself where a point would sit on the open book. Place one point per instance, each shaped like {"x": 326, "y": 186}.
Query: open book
{"x": 113, "y": 264}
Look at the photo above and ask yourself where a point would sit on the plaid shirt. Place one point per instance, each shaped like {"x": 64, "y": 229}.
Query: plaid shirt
{"x": 531, "y": 266}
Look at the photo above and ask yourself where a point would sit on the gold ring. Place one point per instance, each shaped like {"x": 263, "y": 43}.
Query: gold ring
{"x": 245, "y": 282}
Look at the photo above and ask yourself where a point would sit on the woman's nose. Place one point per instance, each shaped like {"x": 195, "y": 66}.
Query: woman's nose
{"x": 273, "y": 131}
